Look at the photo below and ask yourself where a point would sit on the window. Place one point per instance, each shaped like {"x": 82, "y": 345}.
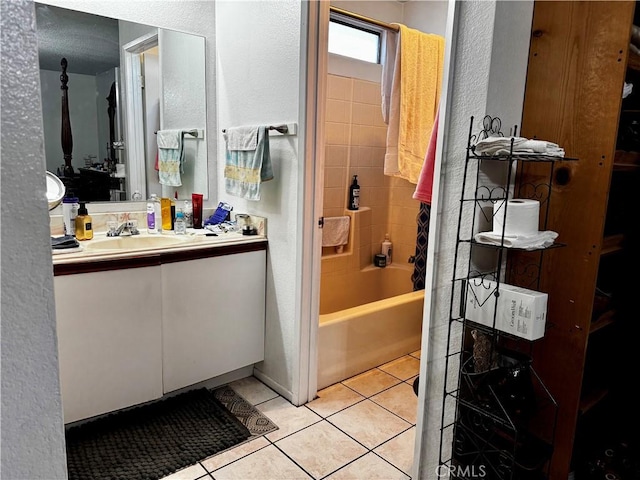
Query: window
{"x": 354, "y": 38}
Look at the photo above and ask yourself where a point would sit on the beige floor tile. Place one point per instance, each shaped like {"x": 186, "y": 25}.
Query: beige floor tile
{"x": 371, "y": 382}
{"x": 415, "y": 354}
{"x": 333, "y": 399}
{"x": 321, "y": 449}
{"x": 402, "y": 368}
{"x": 189, "y": 473}
{"x": 225, "y": 458}
{"x": 399, "y": 450}
{"x": 253, "y": 390}
{"x": 288, "y": 418}
{"x": 400, "y": 400}
{"x": 266, "y": 464}
{"x": 368, "y": 423}
{"x": 369, "y": 467}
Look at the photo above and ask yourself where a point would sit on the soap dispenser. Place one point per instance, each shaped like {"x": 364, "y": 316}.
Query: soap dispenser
{"x": 84, "y": 229}
{"x": 354, "y": 194}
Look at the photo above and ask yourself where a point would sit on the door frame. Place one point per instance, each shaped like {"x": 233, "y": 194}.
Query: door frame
{"x": 135, "y": 139}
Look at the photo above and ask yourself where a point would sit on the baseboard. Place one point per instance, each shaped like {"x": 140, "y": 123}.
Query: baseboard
{"x": 273, "y": 385}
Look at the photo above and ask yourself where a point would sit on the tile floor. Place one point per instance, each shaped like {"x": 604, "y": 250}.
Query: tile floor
{"x": 361, "y": 428}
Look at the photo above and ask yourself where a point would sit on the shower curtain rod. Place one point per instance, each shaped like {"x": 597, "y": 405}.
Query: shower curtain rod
{"x": 357, "y": 16}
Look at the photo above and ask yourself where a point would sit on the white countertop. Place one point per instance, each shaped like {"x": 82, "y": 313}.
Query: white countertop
{"x": 98, "y": 249}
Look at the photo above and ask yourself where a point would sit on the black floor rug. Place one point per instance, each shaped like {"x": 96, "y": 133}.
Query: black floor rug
{"x": 154, "y": 440}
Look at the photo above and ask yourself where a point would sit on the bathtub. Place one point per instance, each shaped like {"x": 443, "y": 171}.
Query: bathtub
{"x": 355, "y": 339}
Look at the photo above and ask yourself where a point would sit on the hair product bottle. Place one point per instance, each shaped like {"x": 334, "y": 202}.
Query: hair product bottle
{"x": 153, "y": 221}
{"x": 166, "y": 213}
{"x": 84, "y": 229}
{"x": 69, "y": 213}
{"x": 386, "y": 248}
{"x": 354, "y": 194}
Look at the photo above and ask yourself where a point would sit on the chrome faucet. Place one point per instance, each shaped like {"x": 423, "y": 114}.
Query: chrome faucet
{"x": 125, "y": 229}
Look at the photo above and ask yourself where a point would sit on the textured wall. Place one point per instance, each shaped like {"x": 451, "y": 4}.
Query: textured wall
{"x": 32, "y": 428}
{"x": 258, "y": 83}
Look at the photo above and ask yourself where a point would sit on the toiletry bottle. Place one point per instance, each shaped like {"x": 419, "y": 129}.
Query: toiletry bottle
{"x": 84, "y": 229}
{"x": 188, "y": 213}
{"x": 354, "y": 194}
{"x": 152, "y": 220}
{"x": 386, "y": 248}
{"x": 166, "y": 213}
{"x": 69, "y": 213}
{"x": 179, "y": 225}
{"x": 158, "y": 213}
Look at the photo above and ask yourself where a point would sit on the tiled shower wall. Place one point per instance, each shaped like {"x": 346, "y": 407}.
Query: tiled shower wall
{"x": 355, "y": 145}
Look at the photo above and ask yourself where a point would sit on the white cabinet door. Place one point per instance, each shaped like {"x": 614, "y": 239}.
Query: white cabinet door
{"x": 109, "y": 340}
{"x": 212, "y": 317}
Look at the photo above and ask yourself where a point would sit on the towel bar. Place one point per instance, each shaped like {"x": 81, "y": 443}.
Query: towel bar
{"x": 284, "y": 129}
{"x": 193, "y": 133}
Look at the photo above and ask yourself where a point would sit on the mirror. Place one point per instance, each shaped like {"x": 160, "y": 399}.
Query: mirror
{"x": 123, "y": 82}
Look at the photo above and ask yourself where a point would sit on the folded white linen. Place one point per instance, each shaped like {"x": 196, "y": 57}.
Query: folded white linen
{"x": 542, "y": 239}
{"x": 521, "y": 145}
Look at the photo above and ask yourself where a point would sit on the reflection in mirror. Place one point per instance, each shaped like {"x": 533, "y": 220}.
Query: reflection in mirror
{"x": 123, "y": 82}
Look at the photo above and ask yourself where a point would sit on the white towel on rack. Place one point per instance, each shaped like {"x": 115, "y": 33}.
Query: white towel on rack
{"x": 242, "y": 139}
{"x": 521, "y": 145}
{"x": 542, "y": 239}
{"x": 246, "y": 170}
{"x": 170, "y": 157}
{"x": 335, "y": 231}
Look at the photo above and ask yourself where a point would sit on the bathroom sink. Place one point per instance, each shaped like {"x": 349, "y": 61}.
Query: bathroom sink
{"x": 134, "y": 243}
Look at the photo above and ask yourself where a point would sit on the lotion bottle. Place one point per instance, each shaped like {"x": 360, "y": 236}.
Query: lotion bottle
{"x": 153, "y": 222}
{"x": 354, "y": 194}
{"x": 386, "y": 248}
{"x": 84, "y": 229}
{"x": 179, "y": 226}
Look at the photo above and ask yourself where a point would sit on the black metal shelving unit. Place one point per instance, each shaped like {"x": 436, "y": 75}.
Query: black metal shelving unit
{"x": 498, "y": 422}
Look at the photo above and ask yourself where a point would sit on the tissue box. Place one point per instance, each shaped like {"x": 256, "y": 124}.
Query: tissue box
{"x": 521, "y": 312}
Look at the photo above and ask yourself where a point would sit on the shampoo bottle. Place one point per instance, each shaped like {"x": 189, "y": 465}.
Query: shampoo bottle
{"x": 84, "y": 229}
{"x": 153, "y": 221}
{"x": 354, "y": 194}
{"x": 386, "y": 248}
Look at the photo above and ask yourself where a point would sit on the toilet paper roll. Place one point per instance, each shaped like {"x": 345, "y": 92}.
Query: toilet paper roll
{"x": 522, "y": 217}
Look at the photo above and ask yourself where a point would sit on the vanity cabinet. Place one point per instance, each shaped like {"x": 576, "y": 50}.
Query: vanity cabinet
{"x": 109, "y": 340}
{"x": 212, "y": 317}
{"x": 133, "y": 329}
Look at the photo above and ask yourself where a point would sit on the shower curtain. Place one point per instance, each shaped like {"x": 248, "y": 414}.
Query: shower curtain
{"x": 422, "y": 241}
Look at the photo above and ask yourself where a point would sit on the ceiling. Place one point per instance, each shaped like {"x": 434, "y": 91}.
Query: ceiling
{"x": 90, "y": 43}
